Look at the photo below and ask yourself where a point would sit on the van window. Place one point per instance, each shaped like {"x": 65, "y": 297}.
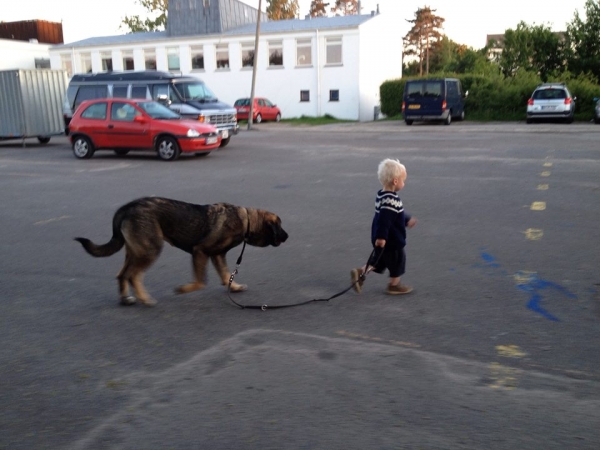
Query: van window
{"x": 139, "y": 91}
{"x": 452, "y": 87}
{"x": 194, "y": 91}
{"x": 90, "y": 93}
{"x": 164, "y": 89}
{"x": 120, "y": 91}
{"x": 424, "y": 88}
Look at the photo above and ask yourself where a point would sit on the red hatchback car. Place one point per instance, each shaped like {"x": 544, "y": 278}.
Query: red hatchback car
{"x": 123, "y": 125}
{"x": 263, "y": 110}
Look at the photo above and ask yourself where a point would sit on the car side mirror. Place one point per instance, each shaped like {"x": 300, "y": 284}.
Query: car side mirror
{"x": 162, "y": 98}
{"x": 139, "y": 119}
{"x": 466, "y": 94}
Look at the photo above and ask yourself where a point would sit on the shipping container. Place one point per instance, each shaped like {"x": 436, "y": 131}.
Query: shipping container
{"x": 31, "y": 103}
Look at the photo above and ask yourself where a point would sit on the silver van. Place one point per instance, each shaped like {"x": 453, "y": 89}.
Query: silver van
{"x": 186, "y": 95}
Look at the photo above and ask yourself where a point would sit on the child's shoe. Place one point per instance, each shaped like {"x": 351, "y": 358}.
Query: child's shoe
{"x": 398, "y": 289}
{"x": 356, "y": 275}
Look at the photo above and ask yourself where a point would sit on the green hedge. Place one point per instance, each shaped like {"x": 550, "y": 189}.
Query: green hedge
{"x": 497, "y": 98}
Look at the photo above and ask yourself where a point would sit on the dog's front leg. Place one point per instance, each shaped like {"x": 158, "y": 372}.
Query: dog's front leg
{"x": 199, "y": 260}
{"x": 220, "y": 264}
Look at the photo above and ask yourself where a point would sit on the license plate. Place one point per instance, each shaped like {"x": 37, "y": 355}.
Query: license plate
{"x": 224, "y": 134}
{"x": 211, "y": 140}
{"x": 414, "y": 106}
{"x": 548, "y": 108}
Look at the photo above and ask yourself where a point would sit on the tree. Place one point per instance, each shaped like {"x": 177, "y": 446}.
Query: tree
{"x": 345, "y": 7}
{"x": 424, "y": 33}
{"x": 282, "y": 9}
{"x": 582, "y": 41}
{"x": 318, "y": 8}
{"x": 533, "y": 48}
{"x": 135, "y": 23}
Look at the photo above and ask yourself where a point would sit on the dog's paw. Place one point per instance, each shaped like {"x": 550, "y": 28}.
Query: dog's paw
{"x": 149, "y": 301}
{"x": 190, "y": 287}
{"x": 128, "y": 300}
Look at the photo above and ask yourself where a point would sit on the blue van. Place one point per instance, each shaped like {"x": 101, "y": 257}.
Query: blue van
{"x": 433, "y": 99}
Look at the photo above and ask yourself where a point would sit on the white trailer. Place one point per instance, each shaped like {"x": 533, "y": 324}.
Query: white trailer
{"x": 31, "y": 103}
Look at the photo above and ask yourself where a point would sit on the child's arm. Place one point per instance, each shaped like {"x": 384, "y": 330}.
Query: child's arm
{"x": 411, "y": 222}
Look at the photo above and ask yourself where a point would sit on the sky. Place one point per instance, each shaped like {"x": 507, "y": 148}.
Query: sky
{"x": 466, "y": 21}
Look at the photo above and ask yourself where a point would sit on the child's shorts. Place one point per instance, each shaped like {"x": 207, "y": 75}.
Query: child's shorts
{"x": 392, "y": 259}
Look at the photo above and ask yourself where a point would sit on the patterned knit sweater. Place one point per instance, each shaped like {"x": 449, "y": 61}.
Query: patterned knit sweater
{"x": 390, "y": 220}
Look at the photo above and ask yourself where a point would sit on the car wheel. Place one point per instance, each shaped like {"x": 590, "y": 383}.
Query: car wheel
{"x": 167, "y": 148}
{"x": 408, "y": 121}
{"x": 597, "y": 120}
{"x": 448, "y": 120}
{"x": 570, "y": 119}
{"x": 529, "y": 121}
{"x": 462, "y": 115}
{"x": 82, "y": 148}
{"x": 121, "y": 151}
{"x": 43, "y": 139}
{"x": 258, "y": 118}
{"x": 224, "y": 142}
{"x": 277, "y": 117}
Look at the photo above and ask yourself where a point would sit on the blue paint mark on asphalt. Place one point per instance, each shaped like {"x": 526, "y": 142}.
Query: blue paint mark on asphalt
{"x": 533, "y": 286}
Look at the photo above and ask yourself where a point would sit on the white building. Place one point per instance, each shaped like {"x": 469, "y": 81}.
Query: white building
{"x": 24, "y": 55}
{"x": 310, "y": 67}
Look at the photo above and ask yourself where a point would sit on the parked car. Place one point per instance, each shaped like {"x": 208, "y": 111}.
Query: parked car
{"x": 263, "y": 110}
{"x": 433, "y": 100}
{"x": 186, "y": 95}
{"x": 551, "y": 101}
{"x": 123, "y": 125}
{"x": 597, "y": 111}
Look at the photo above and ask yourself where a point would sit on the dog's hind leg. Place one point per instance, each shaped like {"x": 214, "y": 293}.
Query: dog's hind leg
{"x": 220, "y": 264}
{"x": 126, "y": 299}
{"x": 199, "y": 260}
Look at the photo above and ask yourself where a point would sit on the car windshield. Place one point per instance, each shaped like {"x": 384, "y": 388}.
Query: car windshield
{"x": 195, "y": 91}
{"x": 423, "y": 89}
{"x": 549, "y": 94}
{"x": 242, "y": 102}
{"x": 158, "y": 111}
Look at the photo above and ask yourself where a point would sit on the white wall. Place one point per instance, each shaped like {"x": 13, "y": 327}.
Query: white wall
{"x": 380, "y": 60}
{"x": 21, "y": 54}
{"x": 369, "y": 57}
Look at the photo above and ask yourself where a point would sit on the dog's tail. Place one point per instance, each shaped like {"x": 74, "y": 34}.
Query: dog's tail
{"x": 111, "y": 247}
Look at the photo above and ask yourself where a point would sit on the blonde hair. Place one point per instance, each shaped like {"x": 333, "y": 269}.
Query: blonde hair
{"x": 390, "y": 169}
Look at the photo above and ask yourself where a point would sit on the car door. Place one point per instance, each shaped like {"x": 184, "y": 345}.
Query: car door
{"x": 124, "y": 131}
{"x": 269, "y": 110}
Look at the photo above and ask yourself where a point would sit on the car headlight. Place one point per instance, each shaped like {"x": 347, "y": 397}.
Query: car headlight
{"x": 192, "y": 133}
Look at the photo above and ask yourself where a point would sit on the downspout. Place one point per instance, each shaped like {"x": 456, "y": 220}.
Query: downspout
{"x": 318, "y": 76}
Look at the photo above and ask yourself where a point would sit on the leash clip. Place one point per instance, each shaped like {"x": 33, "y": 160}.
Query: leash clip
{"x": 263, "y": 307}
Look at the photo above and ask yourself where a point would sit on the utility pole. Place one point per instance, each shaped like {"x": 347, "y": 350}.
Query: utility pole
{"x": 254, "y": 64}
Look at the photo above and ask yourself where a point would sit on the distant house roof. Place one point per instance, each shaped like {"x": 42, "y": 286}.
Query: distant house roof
{"x": 275, "y": 26}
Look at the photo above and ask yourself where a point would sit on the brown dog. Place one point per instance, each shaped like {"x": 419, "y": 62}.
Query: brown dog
{"x": 204, "y": 231}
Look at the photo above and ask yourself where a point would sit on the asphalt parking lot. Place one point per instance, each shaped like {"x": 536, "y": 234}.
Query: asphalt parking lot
{"x": 495, "y": 348}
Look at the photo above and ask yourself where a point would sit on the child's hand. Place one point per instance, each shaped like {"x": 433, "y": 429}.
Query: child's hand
{"x": 380, "y": 243}
{"x": 412, "y": 222}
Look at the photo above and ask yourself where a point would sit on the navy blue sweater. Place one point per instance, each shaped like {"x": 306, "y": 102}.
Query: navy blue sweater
{"x": 390, "y": 220}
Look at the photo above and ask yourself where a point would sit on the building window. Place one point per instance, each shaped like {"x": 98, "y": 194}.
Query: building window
{"x": 334, "y": 50}
{"x": 197, "y": 57}
{"x": 42, "y": 63}
{"x": 128, "y": 60}
{"x": 66, "y": 64}
{"x": 305, "y": 96}
{"x": 150, "y": 59}
{"x": 107, "y": 65}
{"x": 173, "y": 58}
{"x": 334, "y": 95}
{"x": 86, "y": 63}
{"x": 222, "y": 56}
{"x": 303, "y": 52}
{"x": 248, "y": 54}
{"x": 275, "y": 53}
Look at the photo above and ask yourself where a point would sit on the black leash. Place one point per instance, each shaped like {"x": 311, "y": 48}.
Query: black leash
{"x": 265, "y": 307}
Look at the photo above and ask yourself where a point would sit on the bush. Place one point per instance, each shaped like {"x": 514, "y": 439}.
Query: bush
{"x": 496, "y": 97}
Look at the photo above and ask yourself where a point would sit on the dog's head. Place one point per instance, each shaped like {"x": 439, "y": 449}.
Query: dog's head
{"x": 265, "y": 230}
